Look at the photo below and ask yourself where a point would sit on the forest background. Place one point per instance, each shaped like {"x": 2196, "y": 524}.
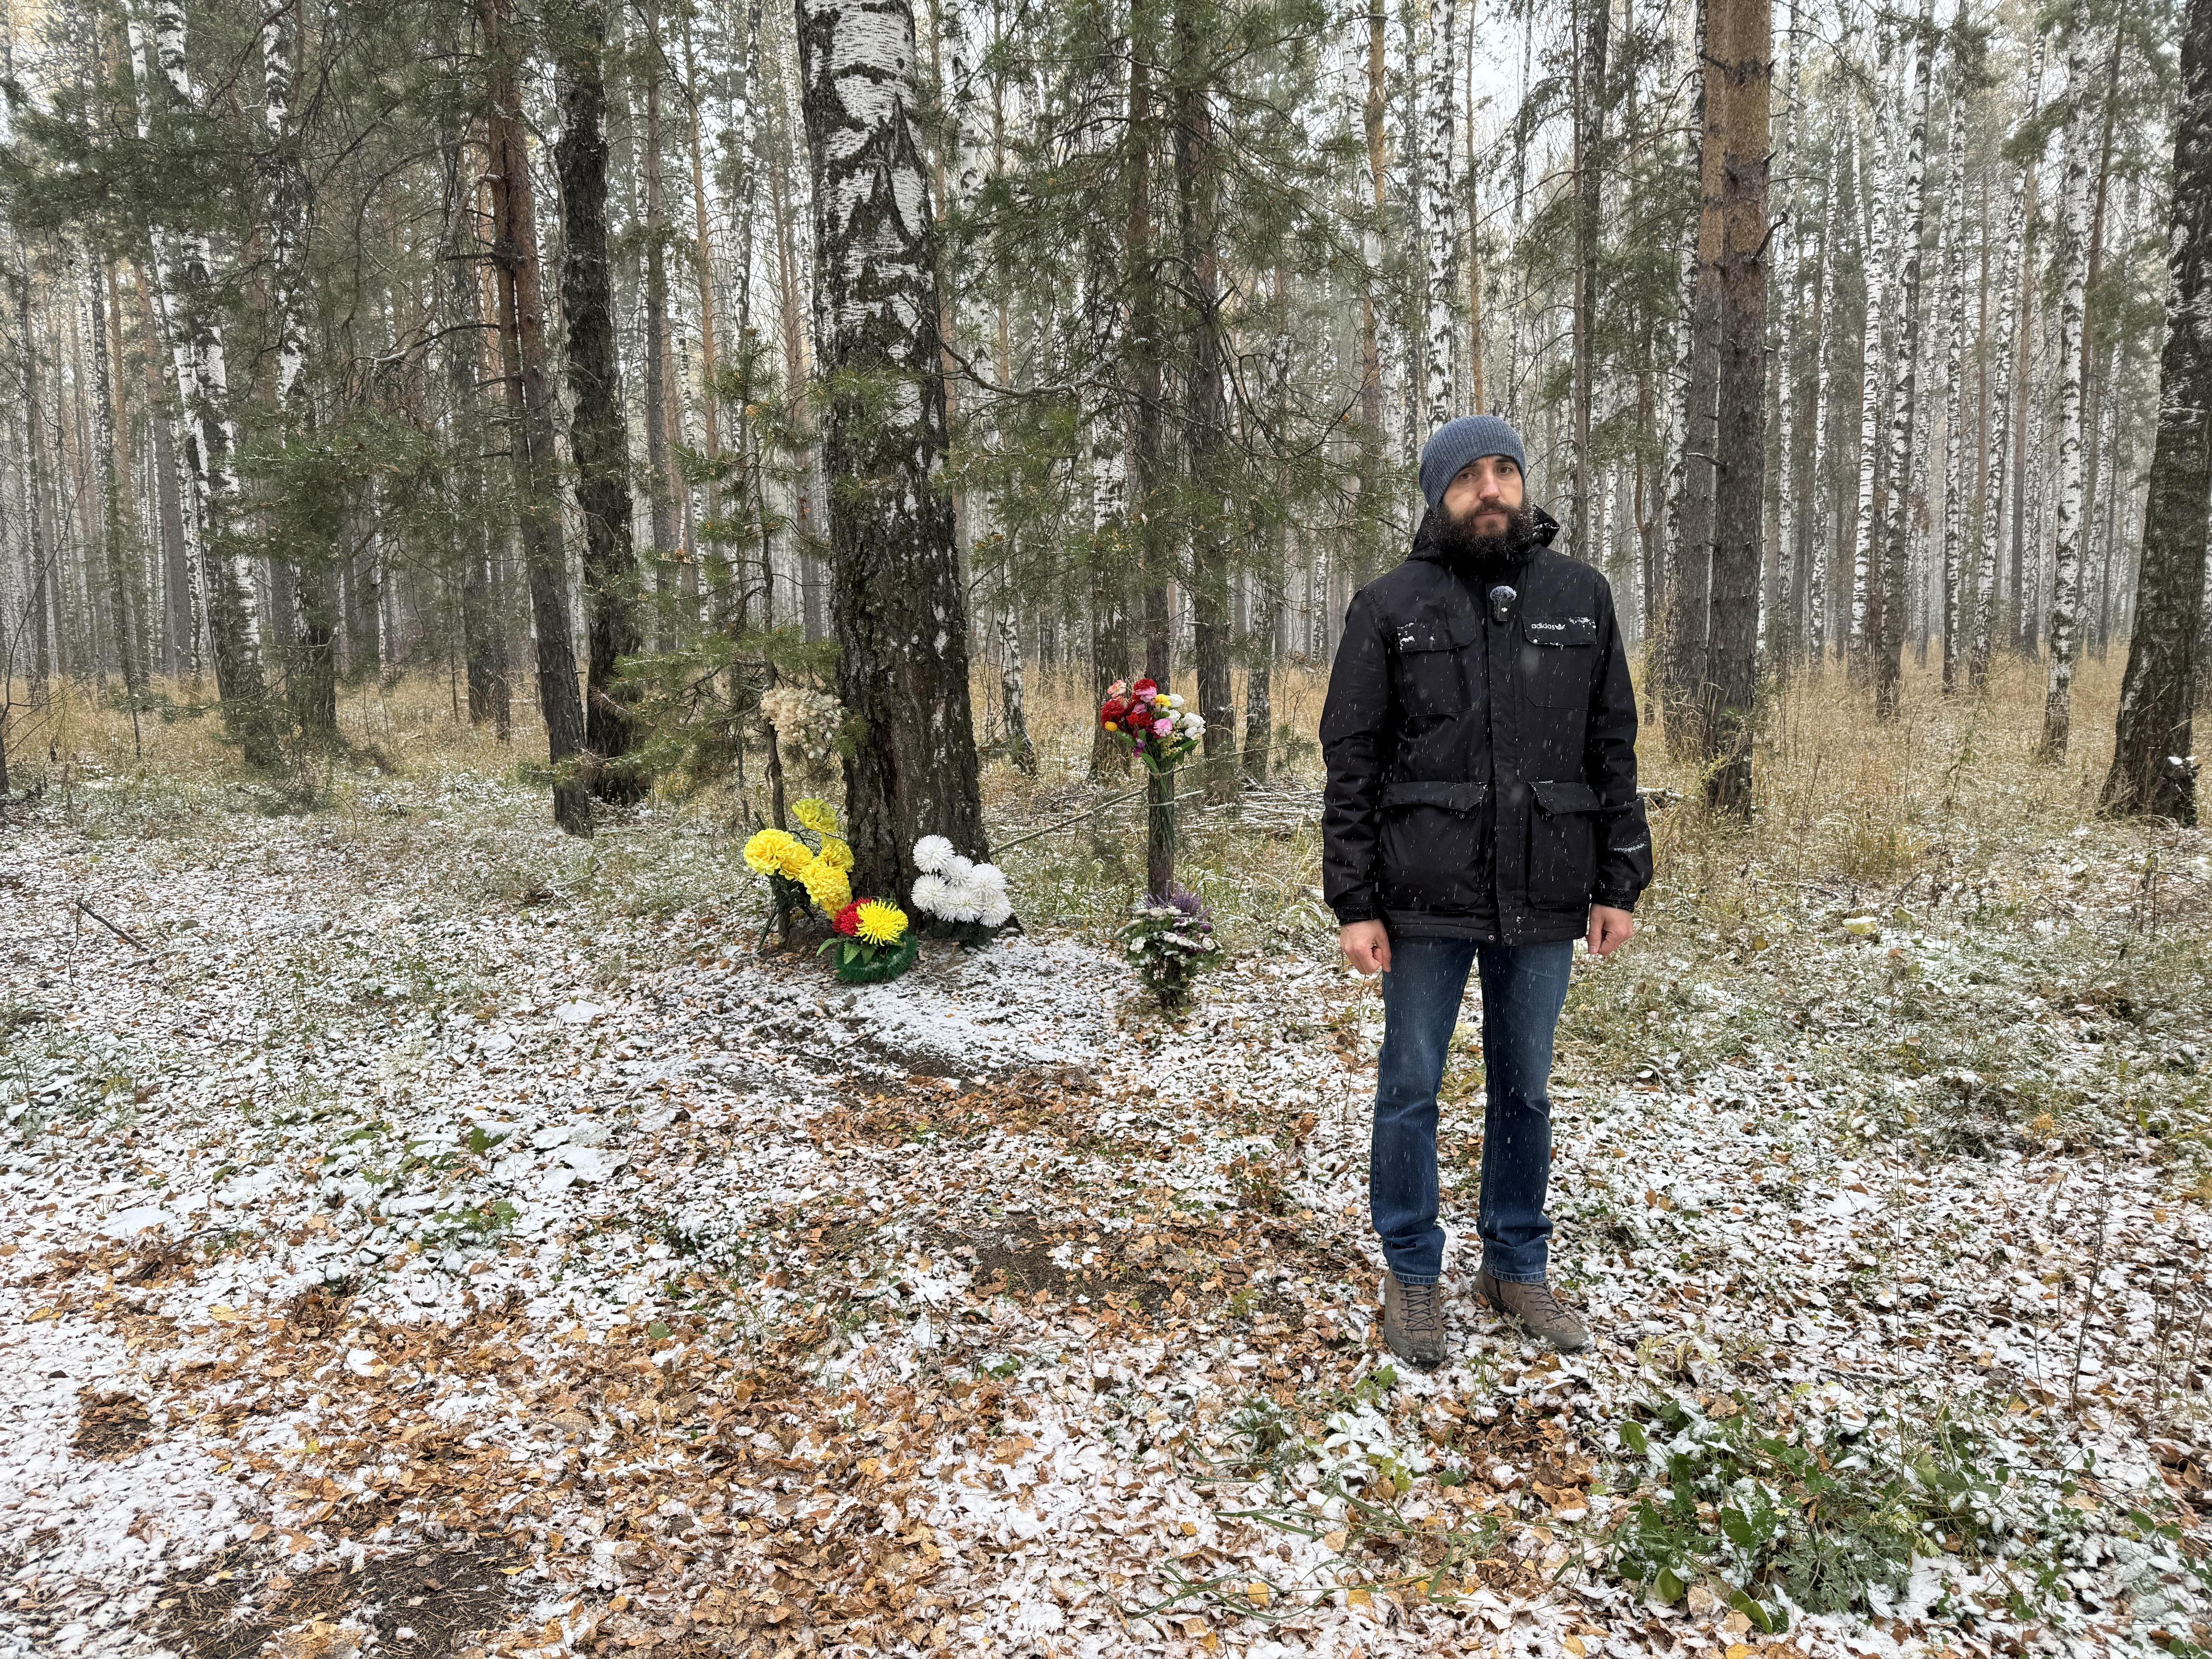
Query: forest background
{"x": 632, "y": 363}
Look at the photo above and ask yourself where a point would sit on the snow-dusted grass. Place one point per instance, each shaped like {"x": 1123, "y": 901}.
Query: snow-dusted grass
{"x": 431, "y": 1183}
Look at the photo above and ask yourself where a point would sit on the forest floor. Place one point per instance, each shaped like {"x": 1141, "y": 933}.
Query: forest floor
{"x": 427, "y": 1235}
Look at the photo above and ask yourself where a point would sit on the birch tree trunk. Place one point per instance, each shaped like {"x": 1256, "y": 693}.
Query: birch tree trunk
{"x": 2151, "y": 774}
{"x": 1877, "y": 217}
{"x": 900, "y": 612}
{"x": 598, "y": 440}
{"x": 2001, "y": 408}
{"x": 184, "y": 283}
{"x": 1888, "y": 641}
{"x": 1955, "y": 341}
{"x": 312, "y": 686}
{"x": 1439, "y": 205}
{"x": 530, "y": 413}
{"x": 2065, "y": 602}
{"x": 1739, "y": 42}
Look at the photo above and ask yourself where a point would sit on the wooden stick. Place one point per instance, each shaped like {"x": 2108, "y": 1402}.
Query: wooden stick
{"x": 120, "y": 932}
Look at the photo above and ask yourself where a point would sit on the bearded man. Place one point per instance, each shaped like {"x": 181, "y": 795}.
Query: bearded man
{"x": 1481, "y": 813}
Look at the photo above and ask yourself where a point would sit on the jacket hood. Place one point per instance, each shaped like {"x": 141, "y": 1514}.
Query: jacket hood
{"x": 1542, "y": 527}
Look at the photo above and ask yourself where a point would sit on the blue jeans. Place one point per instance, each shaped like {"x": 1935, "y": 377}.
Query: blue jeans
{"x": 1523, "y": 988}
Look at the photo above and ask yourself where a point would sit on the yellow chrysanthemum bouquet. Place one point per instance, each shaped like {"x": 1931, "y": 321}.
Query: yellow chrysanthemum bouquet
{"x": 798, "y": 874}
{"x": 870, "y": 938}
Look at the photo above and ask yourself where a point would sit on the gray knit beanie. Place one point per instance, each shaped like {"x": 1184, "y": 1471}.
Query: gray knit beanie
{"x": 1456, "y": 443}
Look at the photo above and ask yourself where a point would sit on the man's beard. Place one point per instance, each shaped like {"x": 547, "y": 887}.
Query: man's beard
{"x": 1457, "y": 540}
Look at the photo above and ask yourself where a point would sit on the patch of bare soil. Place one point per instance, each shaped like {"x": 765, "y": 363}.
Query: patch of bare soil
{"x": 109, "y": 1425}
{"x": 422, "y": 1602}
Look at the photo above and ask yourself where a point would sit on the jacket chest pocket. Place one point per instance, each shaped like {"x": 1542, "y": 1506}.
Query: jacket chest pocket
{"x": 1429, "y": 666}
{"x": 1559, "y": 659}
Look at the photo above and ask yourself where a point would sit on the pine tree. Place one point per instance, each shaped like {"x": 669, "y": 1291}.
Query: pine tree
{"x": 596, "y": 439}
{"x": 521, "y": 331}
{"x": 1739, "y": 41}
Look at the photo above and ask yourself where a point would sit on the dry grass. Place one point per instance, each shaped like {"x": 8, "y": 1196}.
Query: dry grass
{"x": 1853, "y": 811}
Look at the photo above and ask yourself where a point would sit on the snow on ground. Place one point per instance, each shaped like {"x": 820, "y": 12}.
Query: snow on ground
{"x": 404, "y": 1257}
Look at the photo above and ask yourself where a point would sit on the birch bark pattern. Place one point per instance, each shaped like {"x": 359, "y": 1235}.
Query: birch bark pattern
{"x": 2152, "y": 773}
{"x": 898, "y": 610}
{"x": 2064, "y": 610}
{"x": 1689, "y": 562}
{"x": 1439, "y": 209}
{"x": 184, "y": 284}
{"x": 1955, "y": 341}
{"x": 1888, "y": 634}
{"x": 2001, "y": 408}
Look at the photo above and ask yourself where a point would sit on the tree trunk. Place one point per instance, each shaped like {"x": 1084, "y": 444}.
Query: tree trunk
{"x": 2151, "y": 773}
{"x": 1739, "y": 74}
{"x": 530, "y": 413}
{"x": 1205, "y": 436}
{"x": 2064, "y": 609}
{"x": 1888, "y": 640}
{"x": 123, "y": 599}
{"x": 659, "y": 489}
{"x": 703, "y": 257}
{"x": 1877, "y": 217}
{"x": 184, "y": 283}
{"x": 2001, "y": 410}
{"x": 483, "y": 639}
{"x": 1591, "y": 52}
{"x": 1155, "y": 556}
{"x": 1954, "y": 342}
{"x": 181, "y": 607}
{"x": 899, "y": 610}
{"x": 1689, "y": 562}
{"x": 1439, "y": 210}
{"x": 598, "y": 440}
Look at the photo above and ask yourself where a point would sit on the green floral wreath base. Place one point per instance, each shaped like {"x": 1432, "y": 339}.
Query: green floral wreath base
{"x": 858, "y": 963}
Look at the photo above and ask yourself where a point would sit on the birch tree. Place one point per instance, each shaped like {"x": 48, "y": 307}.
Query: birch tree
{"x": 1888, "y": 635}
{"x": 184, "y": 281}
{"x": 2005, "y": 349}
{"x": 1439, "y": 209}
{"x": 2065, "y": 600}
{"x": 1954, "y": 342}
{"x": 898, "y": 608}
{"x": 2152, "y": 773}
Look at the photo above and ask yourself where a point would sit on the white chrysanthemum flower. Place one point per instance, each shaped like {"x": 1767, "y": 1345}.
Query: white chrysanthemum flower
{"x": 988, "y": 877}
{"x": 1173, "y": 700}
{"x": 956, "y": 871}
{"x": 1191, "y": 725}
{"x": 931, "y": 853}
{"x": 929, "y": 894}
{"x": 998, "y": 909}
{"x": 963, "y": 902}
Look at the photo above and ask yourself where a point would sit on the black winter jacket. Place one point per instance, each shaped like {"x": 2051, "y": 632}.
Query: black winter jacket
{"x": 1482, "y": 775}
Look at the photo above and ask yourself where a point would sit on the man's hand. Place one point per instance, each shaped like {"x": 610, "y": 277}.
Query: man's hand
{"x": 1366, "y": 947}
{"x": 1609, "y": 929}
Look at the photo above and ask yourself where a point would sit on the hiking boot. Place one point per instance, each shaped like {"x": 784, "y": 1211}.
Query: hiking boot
{"x": 1536, "y": 1308}
{"x": 1413, "y": 1321}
